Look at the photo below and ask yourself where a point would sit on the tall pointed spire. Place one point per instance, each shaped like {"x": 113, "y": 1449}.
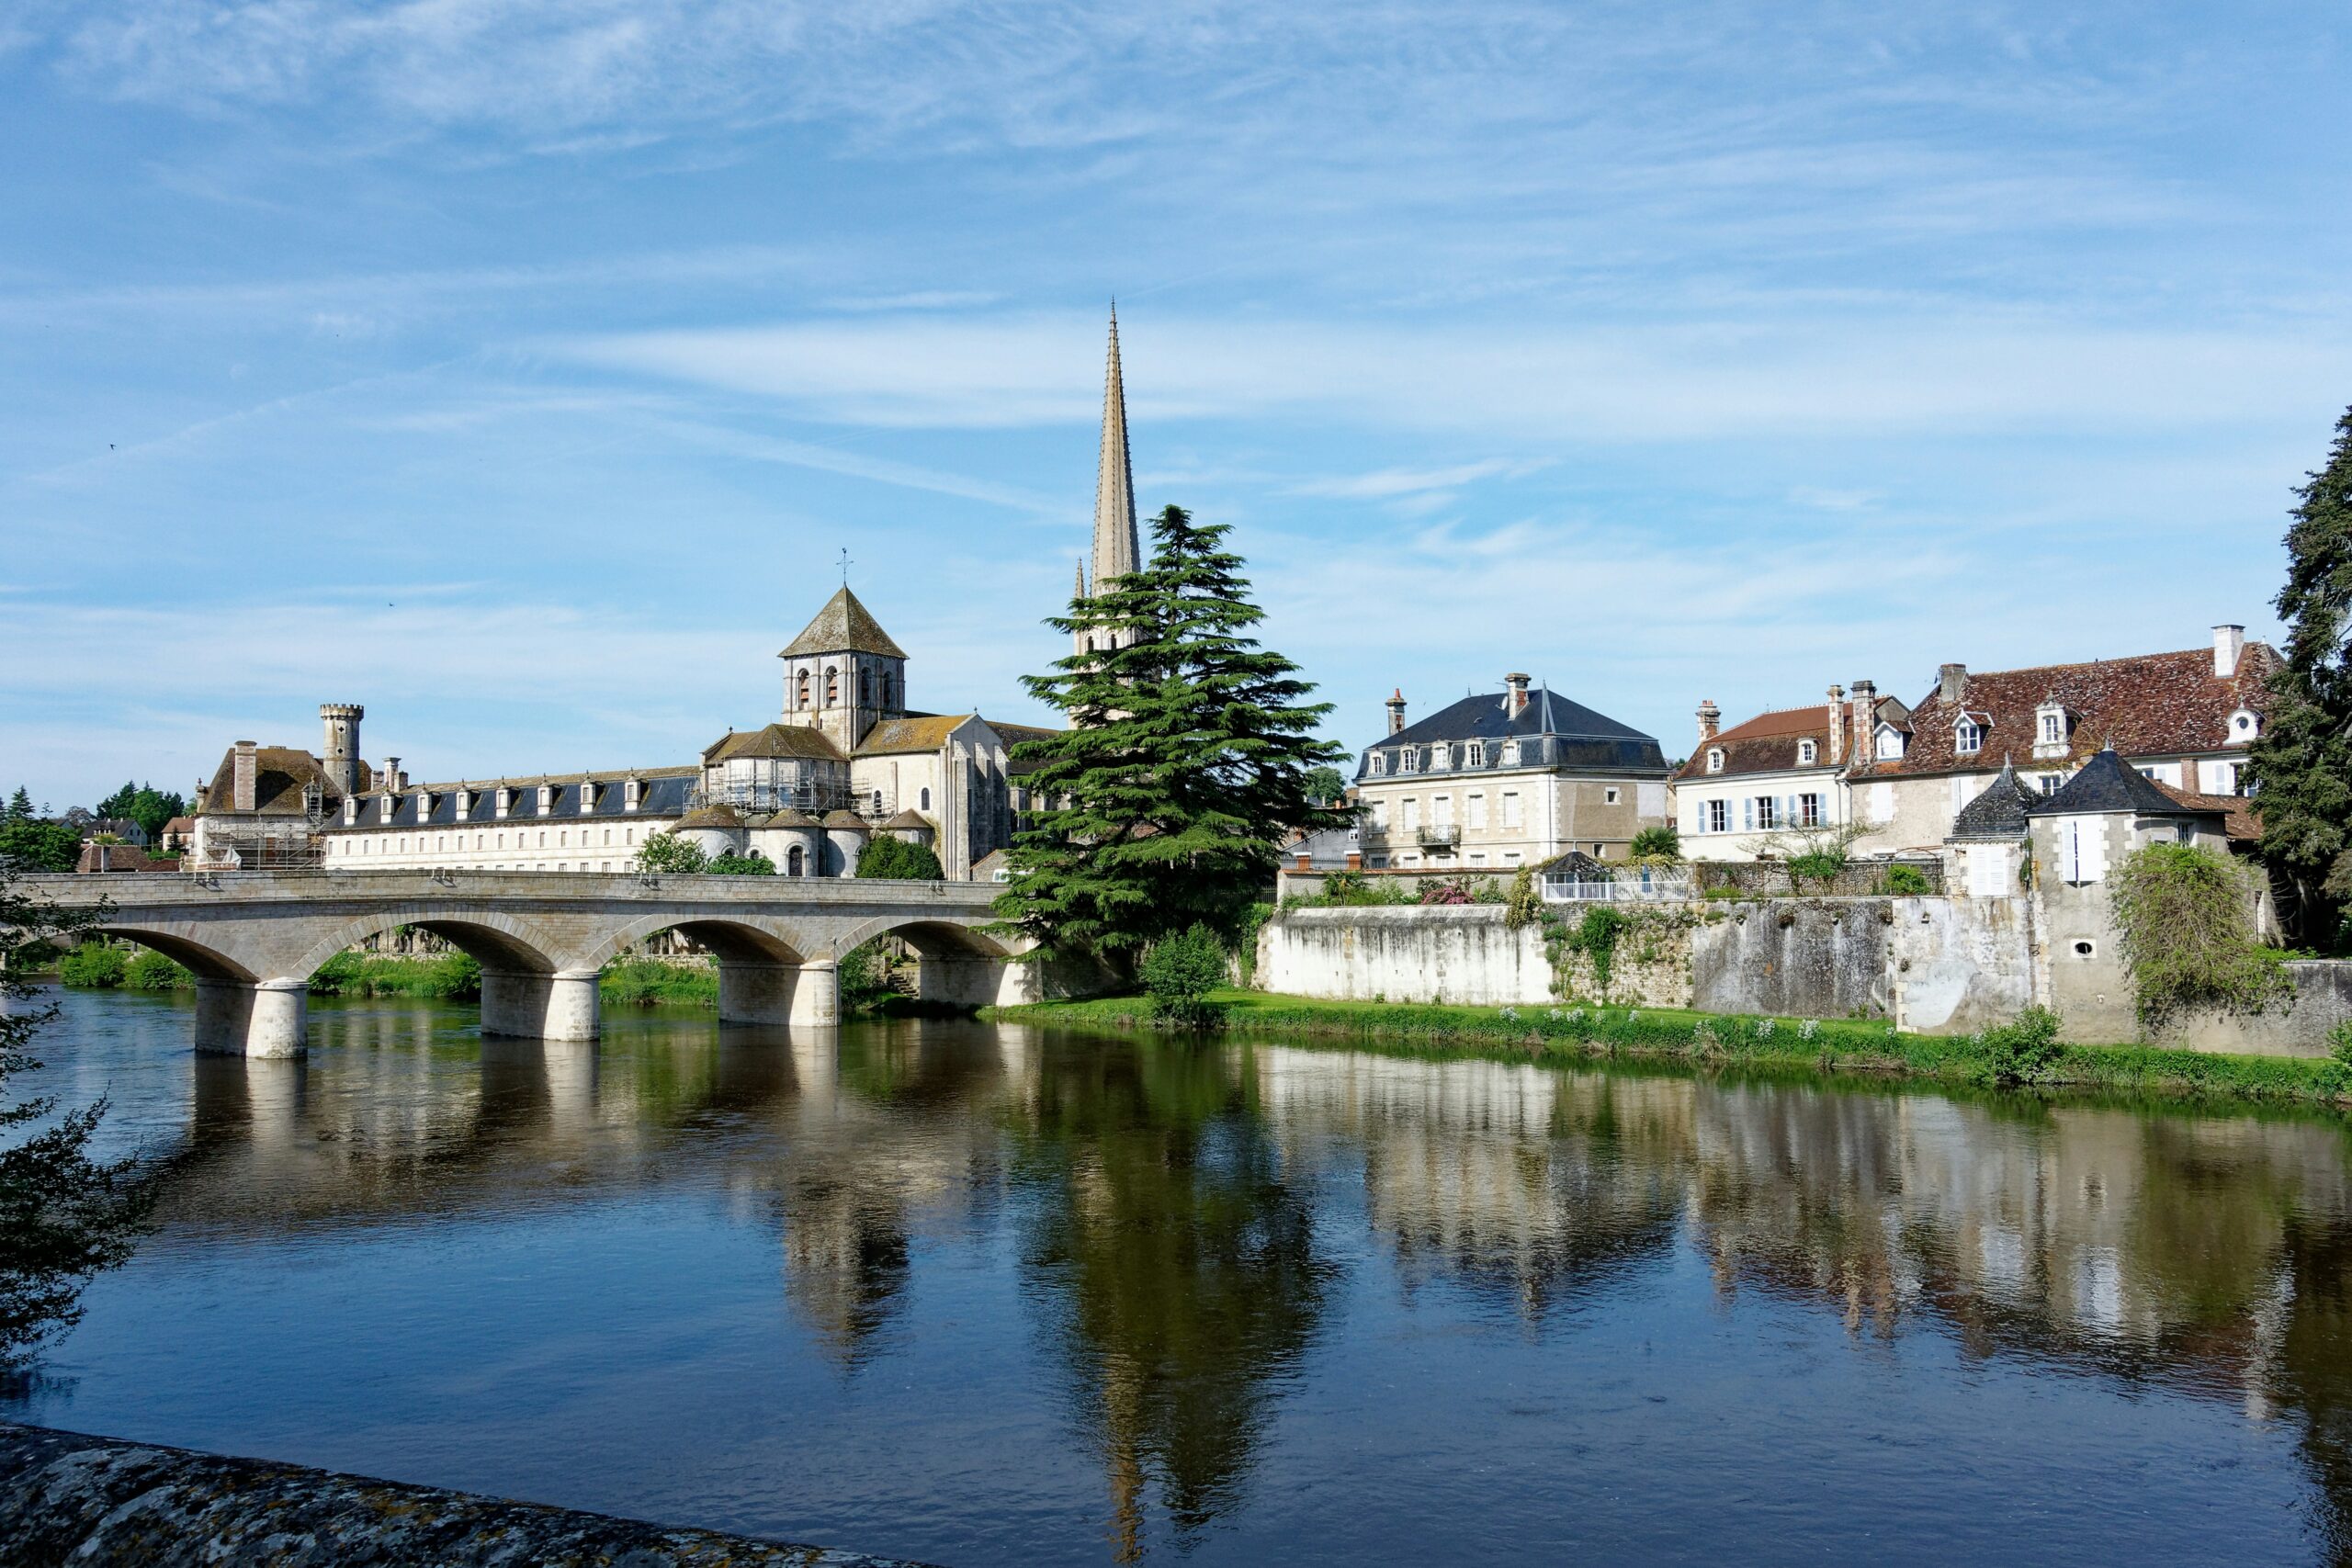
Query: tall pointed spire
{"x": 1115, "y": 549}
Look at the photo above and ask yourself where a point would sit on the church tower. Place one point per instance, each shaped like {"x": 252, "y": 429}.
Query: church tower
{"x": 843, "y": 674}
{"x": 1116, "y": 552}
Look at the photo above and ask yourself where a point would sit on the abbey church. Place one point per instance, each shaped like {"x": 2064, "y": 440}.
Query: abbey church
{"x": 847, "y": 758}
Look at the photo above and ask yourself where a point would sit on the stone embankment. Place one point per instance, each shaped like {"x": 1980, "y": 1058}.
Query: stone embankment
{"x": 66, "y": 1498}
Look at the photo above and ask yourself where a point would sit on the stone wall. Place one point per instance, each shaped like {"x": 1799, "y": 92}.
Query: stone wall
{"x": 68, "y": 1498}
{"x": 2322, "y": 1000}
{"x": 1413, "y": 953}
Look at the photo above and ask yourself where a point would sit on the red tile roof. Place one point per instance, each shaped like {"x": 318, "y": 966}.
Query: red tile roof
{"x": 2157, "y": 705}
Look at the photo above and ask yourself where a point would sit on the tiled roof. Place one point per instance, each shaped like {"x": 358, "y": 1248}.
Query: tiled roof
{"x": 2156, "y": 704}
{"x": 279, "y": 773}
{"x": 711, "y": 816}
{"x": 1574, "y": 735}
{"x": 2110, "y": 784}
{"x": 908, "y": 819}
{"x": 1767, "y": 743}
{"x": 843, "y": 626}
{"x": 1999, "y": 811}
{"x": 791, "y": 817}
{"x": 898, "y": 735}
{"x": 846, "y": 819}
{"x": 2242, "y": 822}
{"x": 95, "y": 858}
{"x": 774, "y": 740}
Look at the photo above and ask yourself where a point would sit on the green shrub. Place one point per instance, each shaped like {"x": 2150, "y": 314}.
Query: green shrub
{"x": 649, "y": 982}
{"x": 93, "y": 966}
{"x": 752, "y": 865}
{"x": 1658, "y": 845}
{"x": 2185, "y": 917}
{"x": 1179, "y": 973}
{"x": 1904, "y": 881}
{"x": 667, "y": 851}
{"x": 2337, "y": 1077}
{"x": 2024, "y": 1052}
{"x": 1524, "y": 906}
{"x": 452, "y": 976}
{"x": 864, "y": 975}
{"x": 1596, "y": 937}
{"x": 151, "y": 971}
{"x": 899, "y": 861}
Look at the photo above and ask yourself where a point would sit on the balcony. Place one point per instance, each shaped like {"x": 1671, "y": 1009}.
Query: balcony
{"x": 1437, "y": 835}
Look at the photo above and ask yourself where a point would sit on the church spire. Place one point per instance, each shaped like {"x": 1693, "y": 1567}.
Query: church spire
{"x": 1115, "y": 551}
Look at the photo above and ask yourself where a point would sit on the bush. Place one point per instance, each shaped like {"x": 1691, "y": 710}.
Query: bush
{"x": 2337, "y": 1077}
{"x": 150, "y": 971}
{"x": 899, "y": 861}
{"x": 667, "y": 851}
{"x": 93, "y": 966}
{"x": 752, "y": 865}
{"x": 2185, "y": 916}
{"x": 1904, "y": 881}
{"x": 1596, "y": 937}
{"x": 864, "y": 975}
{"x": 1658, "y": 845}
{"x": 2023, "y": 1052}
{"x": 1524, "y": 906}
{"x": 1452, "y": 892}
{"x": 1180, "y": 972}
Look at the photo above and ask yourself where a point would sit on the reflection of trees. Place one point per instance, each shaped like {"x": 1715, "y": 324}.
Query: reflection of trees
{"x": 1179, "y": 1261}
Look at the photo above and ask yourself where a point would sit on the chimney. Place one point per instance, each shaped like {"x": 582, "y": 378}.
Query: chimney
{"x": 1864, "y": 707}
{"x": 391, "y": 779}
{"x": 1306, "y": 861}
{"x": 1515, "y": 703}
{"x": 2228, "y": 643}
{"x": 246, "y": 777}
{"x": 1837, "y": 725}
{"x": 1711, "y": 719}
{"x": 1396, "y": 710}
{"x": 1952, "y": 682}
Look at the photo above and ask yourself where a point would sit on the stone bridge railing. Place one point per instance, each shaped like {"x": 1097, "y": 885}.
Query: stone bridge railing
{"x": 254, "y": 939}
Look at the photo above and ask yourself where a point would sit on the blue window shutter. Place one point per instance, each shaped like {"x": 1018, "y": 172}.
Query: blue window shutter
{"x": 1747, "y": 811}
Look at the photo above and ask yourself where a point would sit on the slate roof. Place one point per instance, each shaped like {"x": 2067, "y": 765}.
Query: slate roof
{"x": 1998, "y": 811}
{"x": 2156, "y": 704}
{"x": 1574, "y": 735}
{"x": 2110, "y": 784}
{"x": 774, "y": 740}
{"x": 279, "y": 773}
{"x": 843, "y": 626}
{"x": 427, "y": 805}
{"x": 928, "y": 733}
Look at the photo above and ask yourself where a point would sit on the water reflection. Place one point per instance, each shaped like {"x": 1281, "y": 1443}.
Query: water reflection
{"x": 1170, "y": 1211}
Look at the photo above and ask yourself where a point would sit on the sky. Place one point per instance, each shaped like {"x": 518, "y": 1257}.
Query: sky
{"x": 521, "y": 369}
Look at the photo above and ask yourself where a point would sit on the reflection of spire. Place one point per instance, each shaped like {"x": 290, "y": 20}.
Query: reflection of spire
{"x": 1115, "y": 551}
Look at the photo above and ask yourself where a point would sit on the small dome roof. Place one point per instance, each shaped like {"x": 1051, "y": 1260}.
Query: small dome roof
{"x": 790, "y": 816}
{"x": 711, "y": 816}
{"x": 908, "y": 819}
{"x": 846, "y": 819}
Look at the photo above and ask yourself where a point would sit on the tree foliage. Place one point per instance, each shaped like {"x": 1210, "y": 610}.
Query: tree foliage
{"x": 2301, "y": 761}
{"x": 750, "y": 864}
{"x": 1189, "y": 756}
{"x": 31, "y": 844}
{"x": 1325, "y": 785}
{"x": 145, "y": 805}
{"x": 2185, "y": 917}
{"x": 64, "y": 1217}
{"x": 1658, "y": 846}
{"x": 1179, "y": 973}
{"x": 668, "y": 851}
{"x": 899, "y": 860}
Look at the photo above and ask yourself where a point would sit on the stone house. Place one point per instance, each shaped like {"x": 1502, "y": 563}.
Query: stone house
{"x": 1757, "y": 788}
{"x": 2183, "y": 718}
{"x": 1507, "y": 779}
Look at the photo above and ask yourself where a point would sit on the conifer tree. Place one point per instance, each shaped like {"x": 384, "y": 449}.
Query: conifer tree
{"x": 1189, "y": 755}
{"x": 2301, "y": 762}
{"x": 20, "y": 806}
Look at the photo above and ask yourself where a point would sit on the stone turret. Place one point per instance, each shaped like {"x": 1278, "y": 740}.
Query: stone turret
{"x": 340, "y": 747}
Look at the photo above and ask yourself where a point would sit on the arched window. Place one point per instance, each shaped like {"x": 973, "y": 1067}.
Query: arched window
{"x": 803, "y": 700}
{"x": 833, "y": 685}
{"x": 877, "y": 803}
{"x": 926, "y": 800}
{"x": 864, "y": 688}
{"x": 795, "y": 862}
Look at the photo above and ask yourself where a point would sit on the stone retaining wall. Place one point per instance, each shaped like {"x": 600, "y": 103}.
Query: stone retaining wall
{"x": 68, "y": 1498}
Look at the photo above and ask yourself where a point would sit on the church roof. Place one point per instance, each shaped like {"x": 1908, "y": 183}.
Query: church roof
{"x": 1998, "y": 812}
{"x": 927, "y": 733}
{"x": 846, "y": 819}
{"x": 843, "y": 626}
{"x": 908, "y": 819}
{"x": 791, "y": 817}
{"x": 773, "y": 740}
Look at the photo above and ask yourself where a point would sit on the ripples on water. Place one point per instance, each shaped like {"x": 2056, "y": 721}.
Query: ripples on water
{"x": 994, "y": 1295}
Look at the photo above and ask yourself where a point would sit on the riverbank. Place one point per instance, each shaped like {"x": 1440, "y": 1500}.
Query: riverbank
{"x": 1582, "y": 1033}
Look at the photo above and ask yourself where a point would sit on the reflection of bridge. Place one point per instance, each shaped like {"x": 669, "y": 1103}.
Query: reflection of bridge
{"x": 254, "y": 939}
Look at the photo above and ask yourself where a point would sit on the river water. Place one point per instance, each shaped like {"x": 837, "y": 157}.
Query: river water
{"x": 994, "y": 1295}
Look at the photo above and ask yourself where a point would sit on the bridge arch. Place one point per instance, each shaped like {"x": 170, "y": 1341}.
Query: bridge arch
{"x": 203, "y": 961}
{"x": 744, "y": 938}
{"x": 498, "y": 941}
{"x": 930, "y": 933}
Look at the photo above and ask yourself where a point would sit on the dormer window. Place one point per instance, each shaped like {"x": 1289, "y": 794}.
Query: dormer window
{"x": 1806, "y": 752}
{"x": 351, "y": 811}
{"x": 547, "y": 798}
{"x": 1968, "y": 736}
{"x": 1411, "y": 758}
{"x": 1889, "y": 743}
{"x": 2053, "y": 730}
{"x": 1379, "y": 764}
{"x": 632, "y": 795}
{"x": 465, "y": 804}
{"x": 587, "y": 797}
{"x": 2244, "y": 725}
{"x": 1715, "y": 759}
{"x": 387, "y": 807}
{"x": 1440, "y": 757}
{"x": 1474, "y": 754}
{"x": 1510, "y": 754}
{"x": 505, "y": 800}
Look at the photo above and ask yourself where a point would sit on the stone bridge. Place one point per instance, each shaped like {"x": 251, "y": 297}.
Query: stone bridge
{"x": 254, "y": 939}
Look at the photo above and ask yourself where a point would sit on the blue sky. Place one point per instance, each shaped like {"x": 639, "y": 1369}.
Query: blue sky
{"x": 518, "y": 367}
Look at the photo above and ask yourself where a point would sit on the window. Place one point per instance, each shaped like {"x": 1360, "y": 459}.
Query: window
{"x": 1474, "y": 754}
{"x": 1808, "y": 811}
{"x": 1806, "y": 752}
{"x": 877, "y": 803}
{"x": 1442, "y": 810}
{"x": 1511, "y": 808}
{"x": 1765, "y": 813}
{"x": 2222, "y": 776}
{"x": 1714, "y": 816}
{"x": 1598, "y": 851}
{"x": 2053, "y": 728}
{"x": 1477, "y": 857}
{"x": 1411, "y": 814}
{"x": 1477, "y": 811}
{"x": 2050, "y": 783}
{"x": 1890, "y": 744}
{"x": 833, "y": 685}
{"x": 1511, "y": 857}
{"x": 926, "y": 799}
{"x": 608, "y": 835}
{"x": 1510, "y": 754}
{"x": 543, "y": 838}
{"x": 800, "y": 691}
{"x": 1440, "y": 757}
{"x": 1715, "y": 759}
{"x": 1609, "y": 795}
{"x": 1410, "y": 758}
{"x": 563, "y": 839}
{"x": 1968, "y": 737}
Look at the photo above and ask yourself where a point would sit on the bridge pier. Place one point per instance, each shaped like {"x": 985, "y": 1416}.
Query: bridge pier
{"x": 253, "y": 1018}
{"x": 807, "y": 996}
{"x": 561, "y": 1006}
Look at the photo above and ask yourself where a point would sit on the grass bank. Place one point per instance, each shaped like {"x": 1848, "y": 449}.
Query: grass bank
{"x": 1569, "y": 1033}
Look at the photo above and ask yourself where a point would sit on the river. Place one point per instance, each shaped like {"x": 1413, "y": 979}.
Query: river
{"x": 986, "y": 1295}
